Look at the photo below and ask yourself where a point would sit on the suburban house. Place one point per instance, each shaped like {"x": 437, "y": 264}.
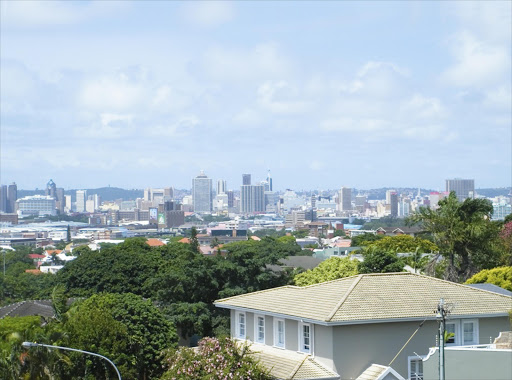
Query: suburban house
{"x": 348, "y": 326}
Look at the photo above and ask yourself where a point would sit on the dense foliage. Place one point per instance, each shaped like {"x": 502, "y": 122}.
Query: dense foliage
{"x": 330, "y": 269}
{"x": 403, "y": 244}
{"x": 365, "y": 239}
{"x": 465, "y": 235}
{"x": 378, "y": 261}
{"x": 214, "y": 359}
{"x": 501, "y": 276}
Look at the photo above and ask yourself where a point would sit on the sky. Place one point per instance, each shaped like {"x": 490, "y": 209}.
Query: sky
{"x": 138, "y": 94}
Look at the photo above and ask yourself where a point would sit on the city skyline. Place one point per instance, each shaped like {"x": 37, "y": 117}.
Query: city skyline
{"x": 324, "y": 94}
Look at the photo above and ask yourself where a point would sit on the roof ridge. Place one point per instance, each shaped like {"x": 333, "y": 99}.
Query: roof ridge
{"x": 297, "y": 367}
{"x": 257, "y": 291}
{"x": 344, "y": 298}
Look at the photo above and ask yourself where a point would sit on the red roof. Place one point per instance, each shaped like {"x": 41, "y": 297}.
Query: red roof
{"x": 184, "y": 240}
{"x": 52, "y": 251}
{"x": 33, "y": 271}
{"x": 154, "y": 242}
{"x": 36, "y": 256}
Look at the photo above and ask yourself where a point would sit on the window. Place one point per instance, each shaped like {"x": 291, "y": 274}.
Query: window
{"x": 305, "y": 336}
{"x": 259, "y": 333}
{"x": 465, "y": 330}
{"x": 469, "y": 332}
{"x": 415, "y": 367}
{"x": 279, "y": 333}
{"x": 240, "y": 325}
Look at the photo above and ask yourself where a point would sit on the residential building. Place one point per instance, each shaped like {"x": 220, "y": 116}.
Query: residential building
{"x": 464, "y": 188}
{"x": 202, "y": 193}
{"x": 81, "y": 198}
{"x": 347, "y": 325}
{"x": 252, "y": 199}
{"x": 36, "y": 205}
{"x": 501, "y": 210}
{"x": 345, "y": 199}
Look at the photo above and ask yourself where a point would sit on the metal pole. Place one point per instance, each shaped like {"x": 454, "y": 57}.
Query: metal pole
{"x": 31, "y": 344}
{"x": 441, "y": 316}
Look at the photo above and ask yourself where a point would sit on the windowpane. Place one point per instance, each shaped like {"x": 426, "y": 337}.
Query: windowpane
{"x": 450, "y": 329}
{"x": 305, "y": 337}
{"x": 261, "y": 329}
{"x": 416, "y": 367}
{"x": 241, "y": 325}
{"x": 469, "y": 333}
{"x": 280, "y": 333}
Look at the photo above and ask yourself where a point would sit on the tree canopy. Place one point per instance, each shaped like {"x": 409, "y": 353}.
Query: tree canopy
{"x": 501, "y": 276}
{"x": 379, "y": 261}
{"x": 403, "y": 244}
{"x": 330, "y": 269}
{"x": 464, "y": 233}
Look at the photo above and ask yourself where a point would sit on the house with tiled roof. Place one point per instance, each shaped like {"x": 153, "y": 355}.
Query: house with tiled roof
{"x": 348, "y": 325}
{"x": 152, "y": 242}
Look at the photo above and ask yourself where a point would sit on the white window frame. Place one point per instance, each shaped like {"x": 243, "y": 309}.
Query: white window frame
{"x": 241, "y": 334}
{"x": 417, "y": 359}
{"x": 308, "y": 350}
{"x": 459, "y": 332}
{"x": 257, "y": 338}
{"x": 475, "y": 332}
{"x": 276, "y": 333}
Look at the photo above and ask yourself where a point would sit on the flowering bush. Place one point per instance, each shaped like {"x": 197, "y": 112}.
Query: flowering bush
{"x": 213, "y": 359}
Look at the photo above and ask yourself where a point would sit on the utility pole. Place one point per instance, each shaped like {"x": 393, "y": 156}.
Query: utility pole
{"x": 441, "y": 313}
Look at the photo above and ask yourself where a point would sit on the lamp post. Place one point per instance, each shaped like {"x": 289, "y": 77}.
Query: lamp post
{"x": 32, "y": 344}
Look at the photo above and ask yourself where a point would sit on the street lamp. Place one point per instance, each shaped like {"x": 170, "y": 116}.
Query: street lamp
{"x": 32, "y": 344}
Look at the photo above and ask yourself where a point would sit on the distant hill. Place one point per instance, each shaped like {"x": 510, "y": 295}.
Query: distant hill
{"x": 494, "y": 192}
{"x": 106, "y": 193}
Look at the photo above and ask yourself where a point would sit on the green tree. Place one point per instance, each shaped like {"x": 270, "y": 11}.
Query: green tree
{"x": 464, "y": 233}
{"x": 194, "y": 243}
{"x": 377, "y": 261}
{"x": 365, "y": 239}
{"x": 214, "y": 359}
{"x": 127, "y": 329}
{"x": 330, "y": 269}
{"x": 501, "y": 276}
{"x": 404, "y": 244}
{"x": 68, "y": 234}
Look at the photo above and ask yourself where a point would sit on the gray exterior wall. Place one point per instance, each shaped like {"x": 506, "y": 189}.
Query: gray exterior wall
{"x": 356, "y": 347}
{"x": 476, "y": 364}
{"x": 323, "y": 345}
{"x": 490, "y": 328}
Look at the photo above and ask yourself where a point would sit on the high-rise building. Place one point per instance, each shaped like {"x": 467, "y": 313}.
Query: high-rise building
{"x": 246, "y": 179}
{"x": 269, "y": 182}
{"x": 345, "y": 199}
{"x": 221, "y": 186}
{"x": 393, "y": 201}
{"x": 360, "y": 202}
{"x": 36, "y": 205}
{"x": 3, "y": 198}
{"x": 61, "y": 200}
{"x": 68, "y": 205}
{"x": 202, "y": 193}
{"x": 231, "y": 198}
{"x": 51, "y": 189}
{"x": 252, "y": 198}
{"x": 464, "y": 188}
{"x": 81, "y": 198}
{"x": 12, "y": 196}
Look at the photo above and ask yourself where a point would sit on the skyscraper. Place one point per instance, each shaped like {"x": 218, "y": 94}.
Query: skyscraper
{"x": 252, "y": 198}
{"x": 51, "y": 189}
{"x": 3, "y": 198}
{"x": 246, "y": 179}
{"x": 221, "y": 186}
{"x": 12, "y": 196}
{"x": 464, "y": 188}
{"x": 345, "y": 199}
{"x": 269, "y": 181}
{"x": 202, "y": 193}
{"x": 393, "y": 201}
{"x": 81, "y": 198}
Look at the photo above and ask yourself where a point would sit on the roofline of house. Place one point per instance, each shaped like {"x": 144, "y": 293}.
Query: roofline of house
{"x": 358, "y": 322}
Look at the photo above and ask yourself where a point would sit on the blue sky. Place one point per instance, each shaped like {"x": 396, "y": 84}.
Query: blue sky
{"x": 324, "y": 94}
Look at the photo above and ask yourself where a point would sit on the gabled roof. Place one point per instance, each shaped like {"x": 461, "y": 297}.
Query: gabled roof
{"x": 286, "y": 364}
{"x": 379, "y": 372}
{"x": 154, "y": 242}
{"x": 370, "y": 298}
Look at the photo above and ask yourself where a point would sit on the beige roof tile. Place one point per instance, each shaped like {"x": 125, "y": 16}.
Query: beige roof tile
{"x": 372, "y": 297}
{"x": 290, "y": 365}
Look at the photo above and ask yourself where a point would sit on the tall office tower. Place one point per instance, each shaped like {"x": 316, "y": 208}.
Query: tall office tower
{"x": 313, "y": 201}
{"x": 12, "y": 196}
{"x": 221, "y": 186}
{"x": 51, "y": 189}
{"x": 168, "y": 193}
{"x": 81, "y": 198}
{"x": 252, "y": 198}
{"x": 388, "y": 196}
{"x": 202, "y": 193}
{"x": 61, "y": 201}
{"x": 393, "y": 201}
{"x": 246, "y": 179}
{"x": 231, "y": 198}
{"x": 97, "y": 201}
{"x": 147, "y": 194}
{"x": 345, "y": 199}
{"x": 68, "y": 205}
{"x": 269, "y": 181}
{"x": 464, "y": 188}
{"x": 360, "y": 202}
{"x": 3, "y": 198}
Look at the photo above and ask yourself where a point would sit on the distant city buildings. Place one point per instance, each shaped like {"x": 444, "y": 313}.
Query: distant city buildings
{"x": 36, "y": 205}
{"x": 345, "y": 199}
{"x": 252, "y": 198}
{"x": 81, "y": 198}
{"x": 464, "y": 188}
{"x": 202, "y": 193}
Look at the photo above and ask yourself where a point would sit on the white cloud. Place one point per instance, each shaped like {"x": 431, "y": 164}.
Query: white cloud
{"x": 477, "y": 63}
{"x": 280, "y": 97}
{"x": 421, "y": 107}
{"x": 499, "y": 97}
{"x": 208, "y": 14}
{"x": 111, "y": 93}
{"x": 33, "y": 14}
{"x": 182, "y": 127}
